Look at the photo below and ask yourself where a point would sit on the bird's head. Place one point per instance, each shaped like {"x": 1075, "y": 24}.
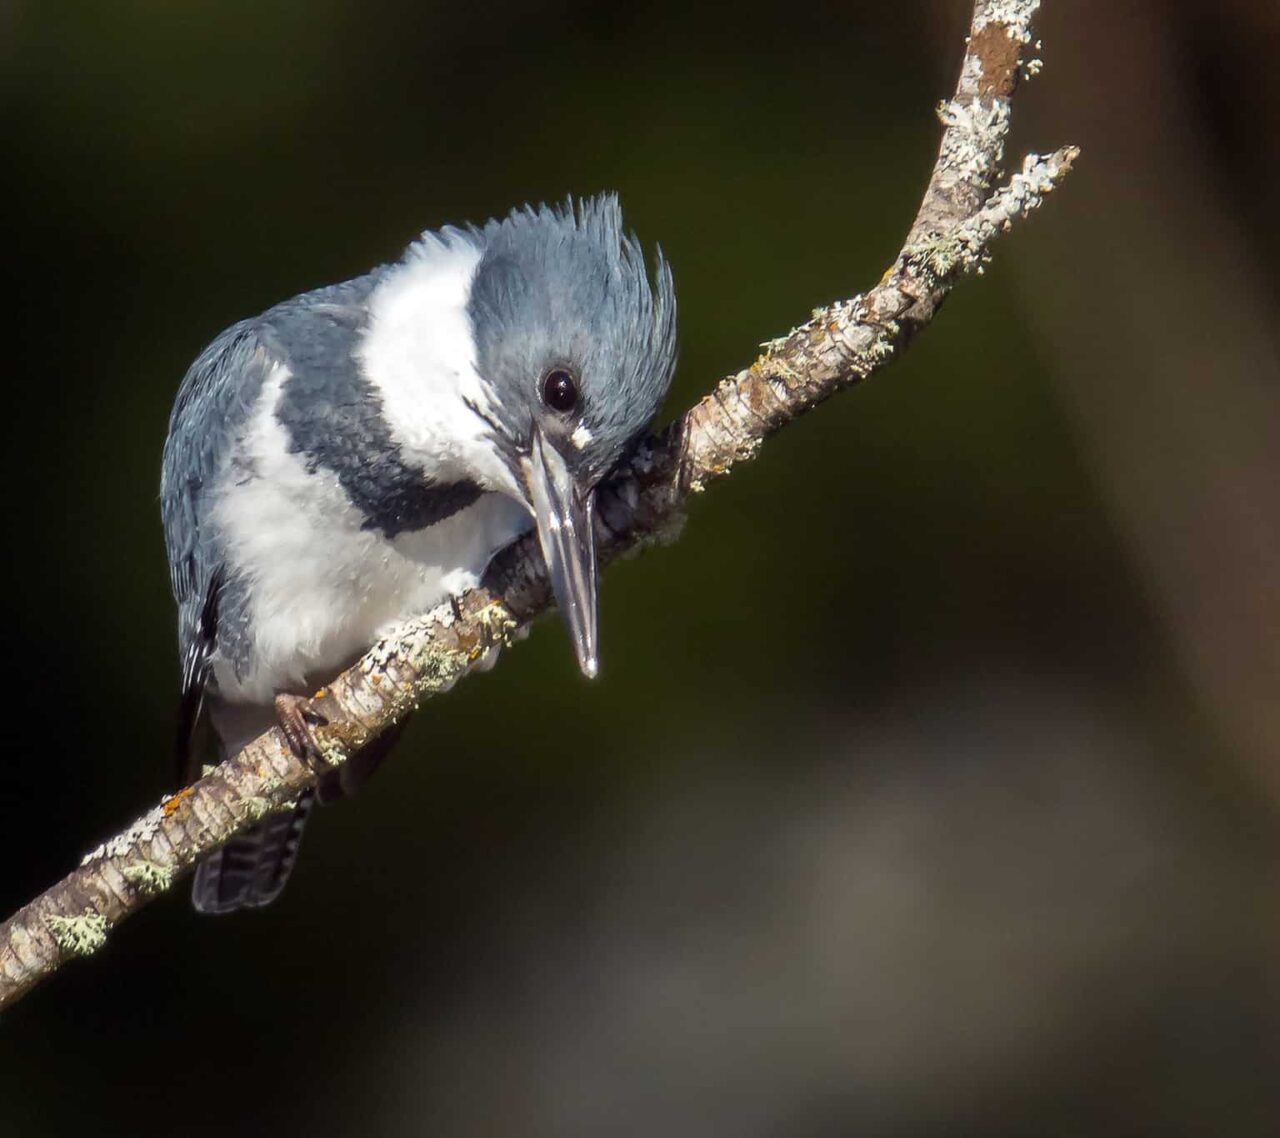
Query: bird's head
{"x": 575, "y": 348}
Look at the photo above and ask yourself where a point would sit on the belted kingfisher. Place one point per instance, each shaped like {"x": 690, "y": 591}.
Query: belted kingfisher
{"x": 356, "y": 455}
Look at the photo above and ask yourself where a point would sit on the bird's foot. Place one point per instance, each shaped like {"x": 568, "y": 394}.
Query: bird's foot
{"x": 299, "y": 717}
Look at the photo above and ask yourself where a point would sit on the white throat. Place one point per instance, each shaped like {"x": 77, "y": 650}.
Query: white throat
{"x": 419, "y": 352}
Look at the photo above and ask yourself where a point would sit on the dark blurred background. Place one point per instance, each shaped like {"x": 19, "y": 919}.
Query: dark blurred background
{"x": 933, "y": 778}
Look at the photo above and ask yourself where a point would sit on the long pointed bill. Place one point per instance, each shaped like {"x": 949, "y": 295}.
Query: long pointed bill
{"x": 564, "y": 515}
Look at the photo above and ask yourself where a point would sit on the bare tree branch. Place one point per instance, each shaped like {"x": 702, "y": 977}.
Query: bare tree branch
{"x": 840, "y": 345}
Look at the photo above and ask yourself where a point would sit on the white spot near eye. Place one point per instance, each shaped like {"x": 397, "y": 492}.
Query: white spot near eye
{"x": 581, "y": 437}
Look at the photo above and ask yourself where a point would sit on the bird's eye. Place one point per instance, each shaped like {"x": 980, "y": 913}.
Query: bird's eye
{"x": 559, "y": 392}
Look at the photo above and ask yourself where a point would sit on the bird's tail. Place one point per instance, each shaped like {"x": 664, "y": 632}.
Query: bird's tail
{"x": 252, "y": 868}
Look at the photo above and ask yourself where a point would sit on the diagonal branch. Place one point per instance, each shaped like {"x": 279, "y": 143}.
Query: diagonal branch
{"x": 839, "y": 346}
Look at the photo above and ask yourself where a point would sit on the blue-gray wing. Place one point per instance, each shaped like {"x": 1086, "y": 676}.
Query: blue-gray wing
{"x": 213, "y": 404}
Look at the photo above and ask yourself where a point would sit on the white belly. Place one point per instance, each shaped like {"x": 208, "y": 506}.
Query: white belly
{"x": 321, "y": 589}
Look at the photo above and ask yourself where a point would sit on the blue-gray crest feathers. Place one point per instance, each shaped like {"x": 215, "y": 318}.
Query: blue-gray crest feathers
{"x": 568, "y": 286}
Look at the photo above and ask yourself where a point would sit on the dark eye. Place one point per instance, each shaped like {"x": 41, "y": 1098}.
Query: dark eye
{"x": 559, "y": 392}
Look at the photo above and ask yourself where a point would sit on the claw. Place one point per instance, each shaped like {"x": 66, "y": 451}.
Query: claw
{"x": 298, "y": 717}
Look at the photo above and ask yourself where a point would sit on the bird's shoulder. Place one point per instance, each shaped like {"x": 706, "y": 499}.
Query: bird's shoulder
{"x": 310, "y": 334}
{"x": 316, "y": 334}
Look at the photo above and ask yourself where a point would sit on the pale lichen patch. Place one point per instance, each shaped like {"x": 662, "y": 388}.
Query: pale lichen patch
{"x": 498, "y": 624}
{"x": 148, "y": 876}
{"x": 82, "y": 935}
{"x": 882, "y": 348}
{"x": 1024, "y": 192}
{"x": 971, "y": 71}
{"x": 437, "y": 665}
{"x": 143, "y": 830}
{"x": 407, "y": 635}
{"x": 254, "y": 807}
{"x": 974, "y": 138}
{"x": 942, "y": 256}
{"x": 332, "y": 753}
{"x": 965, "y": 248}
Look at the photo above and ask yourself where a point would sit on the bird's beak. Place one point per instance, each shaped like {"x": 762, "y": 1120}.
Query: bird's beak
{"x": 564, "y": 512}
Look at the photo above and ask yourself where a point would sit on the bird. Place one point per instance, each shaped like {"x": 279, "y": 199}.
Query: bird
{"x": 356, "y": 455}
